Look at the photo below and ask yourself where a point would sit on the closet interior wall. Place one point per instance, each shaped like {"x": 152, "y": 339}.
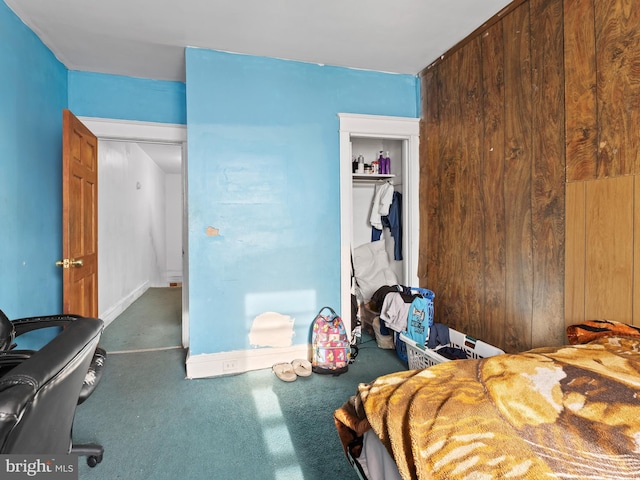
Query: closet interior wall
{"x": 363, "y": 191}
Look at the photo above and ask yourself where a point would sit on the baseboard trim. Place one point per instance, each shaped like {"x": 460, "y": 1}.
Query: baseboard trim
{"x": 112, "y": 313}
{"x": 241, "y": 361}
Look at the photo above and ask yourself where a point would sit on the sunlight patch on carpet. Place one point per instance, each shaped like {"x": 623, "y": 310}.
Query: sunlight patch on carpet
{"x": 276, "y": 435}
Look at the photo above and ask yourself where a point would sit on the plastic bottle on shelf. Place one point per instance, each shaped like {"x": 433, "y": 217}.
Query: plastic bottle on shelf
{"x": 381, "y": 163}
{"x": 360, "y": 164}
{"x": 387, "y": 163}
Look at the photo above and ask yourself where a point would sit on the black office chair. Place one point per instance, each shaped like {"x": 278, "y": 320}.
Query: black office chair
{"x": 40, "y": 389}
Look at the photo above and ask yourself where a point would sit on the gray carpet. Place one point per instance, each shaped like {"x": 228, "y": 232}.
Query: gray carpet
{"x": 152, "y": 321}
{"x": 155, "y": 424}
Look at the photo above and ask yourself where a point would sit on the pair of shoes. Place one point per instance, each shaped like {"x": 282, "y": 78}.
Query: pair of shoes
{"x": 288, "y": 372}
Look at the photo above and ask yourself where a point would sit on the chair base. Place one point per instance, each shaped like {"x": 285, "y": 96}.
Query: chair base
{"x": 92, "y": 451}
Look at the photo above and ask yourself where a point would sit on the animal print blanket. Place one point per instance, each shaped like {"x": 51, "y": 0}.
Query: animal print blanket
{"x": 565, "y": 412}
{"x": 592, "y": 329}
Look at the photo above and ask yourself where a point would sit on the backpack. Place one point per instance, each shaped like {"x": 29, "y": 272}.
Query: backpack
{"x": 331, "y": 350}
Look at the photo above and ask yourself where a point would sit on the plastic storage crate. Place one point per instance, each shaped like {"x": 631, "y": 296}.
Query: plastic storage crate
{"x": 420, "y": 356}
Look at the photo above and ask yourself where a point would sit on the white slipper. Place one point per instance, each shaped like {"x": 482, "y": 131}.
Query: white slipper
{"x": 284, "y": 371}
{"x": 302, "y": 367}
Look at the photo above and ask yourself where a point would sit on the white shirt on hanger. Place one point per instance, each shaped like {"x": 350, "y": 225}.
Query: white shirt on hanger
{"x": 382, "y": 198}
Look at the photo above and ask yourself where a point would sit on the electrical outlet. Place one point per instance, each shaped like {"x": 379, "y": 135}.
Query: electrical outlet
{"x": 229, "y": 365}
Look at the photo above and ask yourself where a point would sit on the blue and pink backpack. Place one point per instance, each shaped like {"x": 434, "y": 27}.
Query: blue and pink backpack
{"x": 330, "y": 345}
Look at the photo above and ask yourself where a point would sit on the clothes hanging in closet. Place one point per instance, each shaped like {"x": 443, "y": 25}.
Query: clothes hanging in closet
{"x": 382, "y": 200}
{"x": 392, "y": 221}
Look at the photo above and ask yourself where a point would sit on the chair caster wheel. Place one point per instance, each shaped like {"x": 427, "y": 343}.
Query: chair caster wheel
{"x": 93, "y": 460}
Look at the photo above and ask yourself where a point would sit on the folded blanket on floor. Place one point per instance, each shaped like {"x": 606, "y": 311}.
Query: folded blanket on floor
{"x": 561, "y": 412}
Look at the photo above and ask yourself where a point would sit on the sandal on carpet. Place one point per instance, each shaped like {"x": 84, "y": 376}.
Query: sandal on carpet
{"x": 285, "y": 372}
{"x": 302, "y": 367}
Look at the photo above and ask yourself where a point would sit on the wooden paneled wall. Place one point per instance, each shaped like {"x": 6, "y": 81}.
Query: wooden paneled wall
{"x": 545, "y": 94}
{"x": 602, "y": 242}
{"x": 603, "y": 88}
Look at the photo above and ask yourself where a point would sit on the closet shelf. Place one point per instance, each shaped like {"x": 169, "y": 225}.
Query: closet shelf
{"x": 371, "y": 177}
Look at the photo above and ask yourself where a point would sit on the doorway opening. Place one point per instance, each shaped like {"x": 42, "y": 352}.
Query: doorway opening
{"x": 142, "y": 213}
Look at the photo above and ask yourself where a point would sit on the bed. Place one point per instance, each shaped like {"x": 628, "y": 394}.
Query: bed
{"x": 564, "y": 412}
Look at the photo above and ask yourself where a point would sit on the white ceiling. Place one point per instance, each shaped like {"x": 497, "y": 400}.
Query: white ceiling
{"x": 147, "y": 38}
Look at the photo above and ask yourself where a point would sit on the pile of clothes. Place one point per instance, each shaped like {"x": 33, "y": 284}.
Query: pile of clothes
{"x": 409, "y": 311}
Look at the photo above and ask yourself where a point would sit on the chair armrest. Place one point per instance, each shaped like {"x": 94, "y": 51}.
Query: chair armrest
{"x": 24, "y": 325}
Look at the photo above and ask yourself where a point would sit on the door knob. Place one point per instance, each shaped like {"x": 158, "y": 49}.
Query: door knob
{"x": 69, "y": 262}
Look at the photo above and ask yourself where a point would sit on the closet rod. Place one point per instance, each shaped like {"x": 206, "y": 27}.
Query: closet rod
{"x": 391, "y": 183}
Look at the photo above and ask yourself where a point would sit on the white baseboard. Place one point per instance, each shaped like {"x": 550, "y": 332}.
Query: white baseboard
{"x": 112, "y": 313}
{"x": 240, "y": 361}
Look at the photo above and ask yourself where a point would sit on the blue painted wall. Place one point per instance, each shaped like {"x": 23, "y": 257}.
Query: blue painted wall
{"x": 264, "y": 175}
{"x": 126, "y": 98}
{"x": 33, "y": 93}
{"x": 263, "y": 171}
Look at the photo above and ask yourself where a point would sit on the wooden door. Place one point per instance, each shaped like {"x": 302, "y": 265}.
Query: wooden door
{"x": 79, "y": 218}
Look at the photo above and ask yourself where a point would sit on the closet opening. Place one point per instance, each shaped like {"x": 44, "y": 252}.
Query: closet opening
{"x": 384, "y": 255}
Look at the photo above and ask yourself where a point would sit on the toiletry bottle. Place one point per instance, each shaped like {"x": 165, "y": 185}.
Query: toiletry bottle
{"x": 360, "y": 164}
{"x": 381, "y": 163}
{"x": 387, "y": 163}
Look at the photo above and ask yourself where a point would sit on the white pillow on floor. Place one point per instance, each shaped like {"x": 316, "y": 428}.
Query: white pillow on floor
{"x": 372, "y": 269}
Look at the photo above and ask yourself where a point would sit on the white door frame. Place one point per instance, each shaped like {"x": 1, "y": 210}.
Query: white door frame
{"x": 383, "y": 127}
{"x": 151, "y": 132}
